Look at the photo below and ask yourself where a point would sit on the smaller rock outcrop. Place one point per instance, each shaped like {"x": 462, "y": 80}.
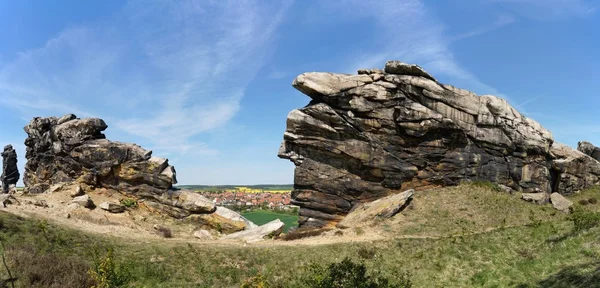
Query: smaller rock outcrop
{"x": 589, "y": 149}
{"x": 560, "y": 202}
{"x": 10, "y": 172}
{"x": 271, "y": 229}
{"x": 538, "y": 198}
{"x": 112, "y": 207}
{"x": 382, "y": 208}
{"x": 83, "y": 201}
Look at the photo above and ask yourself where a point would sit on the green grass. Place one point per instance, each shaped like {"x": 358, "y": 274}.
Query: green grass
{"x": 548, "y": 254}
{"x": 260, "y": 217}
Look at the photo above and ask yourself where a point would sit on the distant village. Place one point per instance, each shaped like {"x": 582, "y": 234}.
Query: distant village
{"x": 245, "y": 200}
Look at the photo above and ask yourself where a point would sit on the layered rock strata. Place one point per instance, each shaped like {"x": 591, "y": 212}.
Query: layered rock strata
{"x": 363, "y": 137}
{"x": 72, "y": 152}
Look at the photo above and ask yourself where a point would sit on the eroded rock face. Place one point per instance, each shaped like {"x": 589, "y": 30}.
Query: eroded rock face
{"x": 10, "y": 172}
{"x": 69, "y": 149}
{"x": 366, "y": 136}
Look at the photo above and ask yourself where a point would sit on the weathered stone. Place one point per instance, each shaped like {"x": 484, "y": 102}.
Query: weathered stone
{"x": 83, "y": 201}
{"x": 362, "y": 139}
{"x": 397, "y": 67}
{"x": 382, "y": 208}
{"x": 234, "y": 216}
{"x": 217, "y": 222}
{"x": 573, "y": 170}
{"x": 112, "y": 207}
{"x": 188, "y": 200}
{"x": 76, "y": 191}
{"x": 203, "y": 235}
{"x": 271, "y": 229}
{"x": 163, "y": 209}
{"x": 7, "y": 199}
{"x": 561, "y": 203}
{"x": 10, "y": 172}
{"x": 589, "y": 149}
{"x": 40, "y": 203}
{"x": 75, "y": 150}
{"x": 538, "y": 198}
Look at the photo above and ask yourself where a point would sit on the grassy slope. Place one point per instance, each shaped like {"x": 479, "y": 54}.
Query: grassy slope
{"x": 261, "y": 217}
{"x": 541, "y": 254}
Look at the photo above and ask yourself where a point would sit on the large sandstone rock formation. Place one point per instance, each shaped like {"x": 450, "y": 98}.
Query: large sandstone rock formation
{"x": 72, "y": 152}
{"x": 366, "y": 136}
{"x": 10, "y": 172}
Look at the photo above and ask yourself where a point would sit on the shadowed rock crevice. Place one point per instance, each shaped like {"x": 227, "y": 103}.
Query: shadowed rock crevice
{"x": 363, "y": 137}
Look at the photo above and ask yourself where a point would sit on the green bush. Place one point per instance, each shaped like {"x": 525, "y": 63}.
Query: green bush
{"x": 347, "y": 274}
{"x": 105, "y": 272}
{"x": 583, "y": 219}
{"x": 258, "y": 281}
{"x": 129, "y": 203}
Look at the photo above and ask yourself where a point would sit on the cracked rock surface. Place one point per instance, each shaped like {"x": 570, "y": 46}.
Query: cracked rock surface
{"x": 363, "y": 137}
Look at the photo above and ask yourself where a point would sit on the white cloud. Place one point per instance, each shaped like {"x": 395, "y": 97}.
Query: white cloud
{"x": 412, "y": 34}
{"x": 550, "y": 9}
{"x": 502, "y": 21}
{"x": 166, "y": 71}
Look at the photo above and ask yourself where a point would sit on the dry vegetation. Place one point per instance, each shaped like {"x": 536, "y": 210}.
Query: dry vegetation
{"x": 530, "y": 246}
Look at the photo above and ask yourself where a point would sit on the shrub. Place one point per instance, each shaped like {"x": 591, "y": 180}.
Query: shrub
{"x": 592, "y": 200}
{"x": 366, "y": 253}
{"x": 34, "y": 268}
{"x": 583, "y": 219}
{"x": 164, "y": 232}
{"x": 258, "y": 281}
{"x": 129, "y": 203}
{"x": 583, "y": 202}
{"x": 359, "y": 231}
{"x": 105, "y": 272}
{"x": 303, "y": 233}
{"x": 347, "y": 274}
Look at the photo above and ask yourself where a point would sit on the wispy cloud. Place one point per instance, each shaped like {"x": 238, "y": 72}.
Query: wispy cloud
{"x": 414, "y": 35}
{"x": 499, "y": 23}
{"x": 166, "y": 71}
{"x": 550, "y": 9}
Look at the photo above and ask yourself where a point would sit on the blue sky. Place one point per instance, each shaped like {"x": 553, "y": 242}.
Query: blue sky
{"x": 207, "y": 84}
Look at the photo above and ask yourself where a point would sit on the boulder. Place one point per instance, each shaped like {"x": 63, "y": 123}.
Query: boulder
{"x": 382, "y": 208}
{"x": 561, "y": 203}
{"x": 364, "y": 137}
{"x": 572, "y": 170}
{"x": 112, "y": 207}
{"x": 234, "y": 216}
{"x": 7, "y": 199}
{"x": 589, "y": 149}
{"x": 10, "y": 172}
{"x": 203, "y": 235}
{"x": 83, "y": 201}
{"x": 271, "y": 229}
{"x": 76, "y": 191}
{"x": 217, "y": 222}
{"x": 538, "y": 198}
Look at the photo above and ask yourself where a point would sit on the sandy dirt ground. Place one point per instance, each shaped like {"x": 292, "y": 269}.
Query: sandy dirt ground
{"x": 138, "y": 224}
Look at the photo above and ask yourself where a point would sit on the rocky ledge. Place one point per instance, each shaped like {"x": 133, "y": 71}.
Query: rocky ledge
{"x": 381, "y": 132}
